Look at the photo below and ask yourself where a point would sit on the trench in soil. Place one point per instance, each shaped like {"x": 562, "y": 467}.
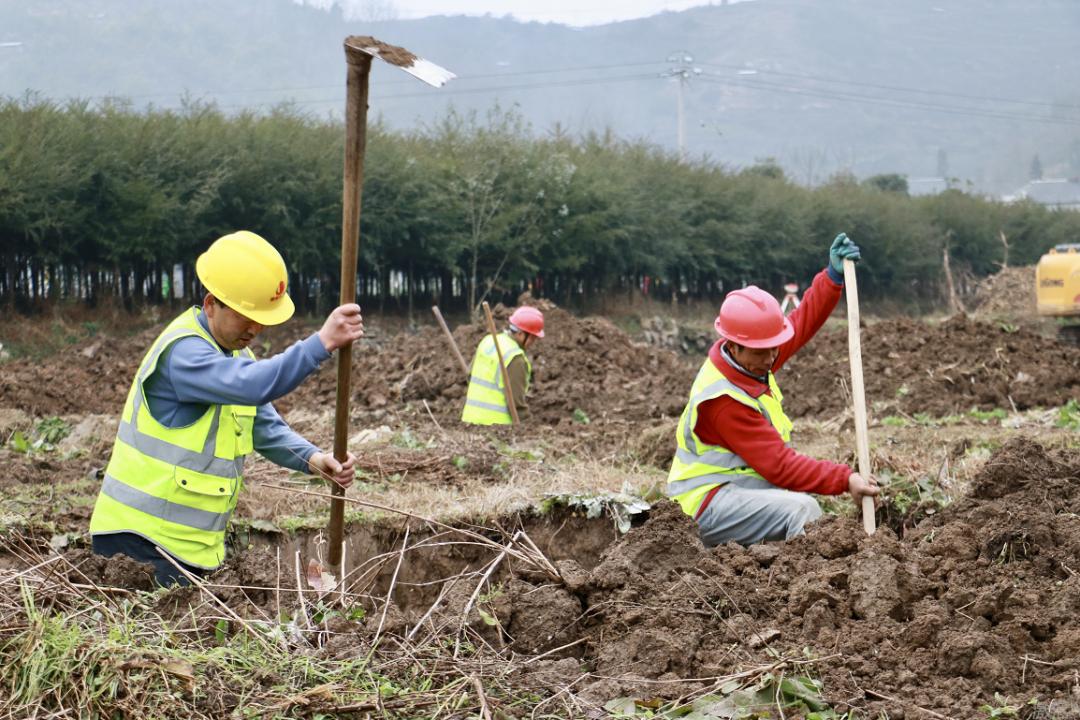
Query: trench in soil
{"x": 435, "y": 555}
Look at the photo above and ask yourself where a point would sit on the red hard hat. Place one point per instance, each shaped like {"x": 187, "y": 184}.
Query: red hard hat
{"x": 751, "y": 317}
{"x": 528, "y": 319}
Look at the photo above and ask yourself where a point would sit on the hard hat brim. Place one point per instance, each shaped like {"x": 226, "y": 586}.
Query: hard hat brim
{"x": 282, "y": 311}
{"x": 777, "y": 340}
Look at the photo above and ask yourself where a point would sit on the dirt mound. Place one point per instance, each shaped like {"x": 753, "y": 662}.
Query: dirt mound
{"x": 590, "y": 376}
{"x": 981, "y": 599}
{"x": 1009, "y": 293}
{"x": 586, "y": 370}
{"x": 92, "y": 378}
{"x": 913, "y": 367}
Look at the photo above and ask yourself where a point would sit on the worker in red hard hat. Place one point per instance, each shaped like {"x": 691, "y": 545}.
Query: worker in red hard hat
{"x": 485, "y": 402}
{"x": 734, "y": 469}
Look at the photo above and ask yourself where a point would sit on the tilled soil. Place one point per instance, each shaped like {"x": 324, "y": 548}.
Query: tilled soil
{"x": 912, "y": 367}
{"x": 583, "y": 364}
{"x": 982, "y": 598}
{"x": 588, "y": 372}
{"x": 586, "y": 365}
{"x": 977, "y": 599}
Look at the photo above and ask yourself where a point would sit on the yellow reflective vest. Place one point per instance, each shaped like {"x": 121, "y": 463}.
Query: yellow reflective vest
{"x": 176, "y": 487}
{"x": 699, "y": 467}
{"x": 485, "y": 402}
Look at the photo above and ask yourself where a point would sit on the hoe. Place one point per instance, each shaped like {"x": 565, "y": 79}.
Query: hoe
{"x": 359, "y": 51}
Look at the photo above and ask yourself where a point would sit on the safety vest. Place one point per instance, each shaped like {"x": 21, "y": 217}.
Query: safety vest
{"x": 699, "y": 467}
{"x": 176, "y": 487}
{"x": 485, "y": 402}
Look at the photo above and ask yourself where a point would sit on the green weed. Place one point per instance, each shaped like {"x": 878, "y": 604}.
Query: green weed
{"x": 754, "y": 699}
{"x": 521, "y": 453}
{"x": 1069, "y": 415}
{"x": 1001, "y": 708}
{"x": 988, "y": 416}
{"x": 620, "y": 506}
{"x": 44, "y": 438}
{"x": 407, "y": 439}
{"x": 903, "y": 493}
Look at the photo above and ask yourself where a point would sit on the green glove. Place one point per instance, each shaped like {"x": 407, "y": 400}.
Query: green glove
{"x": 842, "y": 249}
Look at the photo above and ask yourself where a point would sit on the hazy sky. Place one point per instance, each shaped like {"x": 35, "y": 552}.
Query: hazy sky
{"x": 568, "y": 12}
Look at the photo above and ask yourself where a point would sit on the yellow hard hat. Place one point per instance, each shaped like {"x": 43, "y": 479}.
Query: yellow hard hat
{"x": 246, "y": 273}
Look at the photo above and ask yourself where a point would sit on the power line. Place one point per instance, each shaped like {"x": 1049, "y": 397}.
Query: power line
{"x": 872, "y": 100}
{"x": 898, "y": 88}
{"x": 558, "y": 83}
{"x": 403, "y": 81}
{"x": 468, "y": 91}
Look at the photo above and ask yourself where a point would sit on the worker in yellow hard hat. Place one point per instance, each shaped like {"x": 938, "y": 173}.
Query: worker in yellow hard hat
{"x": 200, "y": 403}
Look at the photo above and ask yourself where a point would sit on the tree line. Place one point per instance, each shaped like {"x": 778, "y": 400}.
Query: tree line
{"x": 100, "y": 203}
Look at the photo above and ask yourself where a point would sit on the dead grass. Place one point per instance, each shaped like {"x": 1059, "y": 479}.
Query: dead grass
{"x": 516, "y": 478}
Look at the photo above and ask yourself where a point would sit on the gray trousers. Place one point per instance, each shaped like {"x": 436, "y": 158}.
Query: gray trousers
{"x": 749, "y": 510}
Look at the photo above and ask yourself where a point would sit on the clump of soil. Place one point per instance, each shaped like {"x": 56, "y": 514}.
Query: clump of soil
{"x": 390, "y": 53}
{"x": 912, "y": 367}
{"x": 943, "y": 620}
{"x": 1009, "y": 293}
{"x": 118, "y": 571}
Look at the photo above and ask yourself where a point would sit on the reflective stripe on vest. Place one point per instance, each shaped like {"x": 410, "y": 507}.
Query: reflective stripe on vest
{"x": 161, "y": 508}
{"x": 485, "y": 402}
{"x": 697, "y": 466}
{"x": 177, "y": 487}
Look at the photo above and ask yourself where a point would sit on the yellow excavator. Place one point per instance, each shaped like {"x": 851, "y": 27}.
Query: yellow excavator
{"x": 1057, "y": 288}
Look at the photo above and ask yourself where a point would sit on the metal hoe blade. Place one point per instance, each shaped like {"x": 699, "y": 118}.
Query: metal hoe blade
{"x": 399, "y": 57}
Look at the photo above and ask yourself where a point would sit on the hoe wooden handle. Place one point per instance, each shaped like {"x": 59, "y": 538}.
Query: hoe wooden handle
{"x": 451, "y": 341}
{"x": 858, "y": 391}
{"x": 356, "y": 104}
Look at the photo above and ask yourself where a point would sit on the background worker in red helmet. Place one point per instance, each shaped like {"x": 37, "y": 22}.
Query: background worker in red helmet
{"x": 485, "y": 402}
{"x": 734, "y": 470}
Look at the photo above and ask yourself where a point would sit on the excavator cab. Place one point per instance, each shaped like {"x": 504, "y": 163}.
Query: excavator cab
{"x": 1057, "y": 287}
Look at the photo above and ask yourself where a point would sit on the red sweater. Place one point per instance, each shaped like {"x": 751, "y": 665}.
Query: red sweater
{"x": 728, "y": 423}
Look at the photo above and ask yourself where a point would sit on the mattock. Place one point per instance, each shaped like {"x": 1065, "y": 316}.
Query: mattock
{"x": 359, "y": 50}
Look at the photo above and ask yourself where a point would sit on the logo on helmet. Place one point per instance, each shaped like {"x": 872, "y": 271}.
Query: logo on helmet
{"x": 280, "y": 291}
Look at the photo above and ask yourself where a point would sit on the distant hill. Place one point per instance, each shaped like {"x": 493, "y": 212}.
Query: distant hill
{"x": 820, "y": 85}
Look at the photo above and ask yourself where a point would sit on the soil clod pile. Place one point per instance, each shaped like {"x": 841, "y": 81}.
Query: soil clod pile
{"x": 912, "y": 367}
{"x": 587, "y": 365}
{"x": 585, "y": 370}
{"x": 1007, "y": 293}
{"x": 980, "y": 599}
{"x": 89, "y": 379}
{"x": 589, "y": 371}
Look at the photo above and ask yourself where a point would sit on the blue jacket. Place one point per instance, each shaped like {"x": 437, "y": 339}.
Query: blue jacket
{"x": 191, "y": 375}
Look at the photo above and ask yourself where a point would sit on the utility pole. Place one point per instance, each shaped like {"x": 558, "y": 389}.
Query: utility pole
{"x": 682, "y": 72}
